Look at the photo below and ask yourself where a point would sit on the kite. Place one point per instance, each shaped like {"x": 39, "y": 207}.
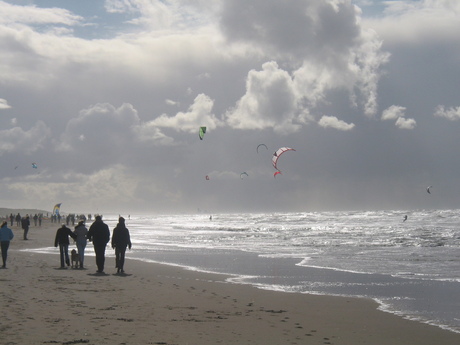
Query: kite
{"x": 56, "y": 209}
{"x": 202, "y": 132}
{"x": 277, "y": 155}
{"x": 276, "y": 173}
{"x": 34, "y": 165}
{"x": 260, "y": 146}
{"x": 428, "y": 189}
{"x": 207, "y": 177}
{"x": 243, "y": 173}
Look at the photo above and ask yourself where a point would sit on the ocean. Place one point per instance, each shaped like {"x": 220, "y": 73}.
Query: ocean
{"x": 411, "y": 268}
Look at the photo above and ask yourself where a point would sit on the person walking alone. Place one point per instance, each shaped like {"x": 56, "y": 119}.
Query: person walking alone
{"x": 25, "y": 223}
{"x": 62, "y": 239}
{"x": 120, "y": 240}
{"x": 81, "y": 231}
{"x": 99, "y": 234}
{"x": 6, "y": 235}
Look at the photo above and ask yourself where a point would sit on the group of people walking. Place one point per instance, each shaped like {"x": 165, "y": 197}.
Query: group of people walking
{"x": 99, "y": 234}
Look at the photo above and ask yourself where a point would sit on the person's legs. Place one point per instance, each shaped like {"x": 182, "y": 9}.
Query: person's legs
{"x": 121, "y": 261}
{"x": 4, "y": 246}
{"x": 100, "y": 257}
{"x": 61, "y": 255}
{"x": 66, "y": 254}
{"x": 81, "y": 252}
{"x": 117, "y": 258}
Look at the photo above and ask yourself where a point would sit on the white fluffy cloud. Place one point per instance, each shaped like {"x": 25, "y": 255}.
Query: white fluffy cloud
{"x": 270, "y": 101}
{"x": 393, "y": 112}
{"x": 198, "y": 114}
{"x": 451, "y": 114}
{"x": 403, "y": 123}
{"x": 4, "y": 104}
{"x": 334, "y": 122}
{"x": 398, "y": 113}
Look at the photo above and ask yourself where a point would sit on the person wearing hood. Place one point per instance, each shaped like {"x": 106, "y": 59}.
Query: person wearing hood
{"x": 120, "y": 240}
{"x": 6, "y": 235}
{"x": 81, "y": 231}
{"x": 62, "y": 239}
{"x": 99, "y": 234}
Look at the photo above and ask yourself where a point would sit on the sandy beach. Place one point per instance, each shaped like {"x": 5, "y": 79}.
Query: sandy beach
{"x": 159, "y": 304}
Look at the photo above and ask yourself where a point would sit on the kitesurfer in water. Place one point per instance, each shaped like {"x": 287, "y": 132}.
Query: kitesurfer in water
{"x": 405, "y": 218}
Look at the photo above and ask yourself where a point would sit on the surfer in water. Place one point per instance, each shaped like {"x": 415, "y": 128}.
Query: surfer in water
{"x": 405, "y": 218}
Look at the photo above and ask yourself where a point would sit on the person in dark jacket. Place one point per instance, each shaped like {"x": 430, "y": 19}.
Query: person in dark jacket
{"x": 25, "y": 223}
{"x": 6, "y": 235}
{"x": 99, "y": 234}
{"x": 120, "y": 240}
{"x": 62, "y": 239}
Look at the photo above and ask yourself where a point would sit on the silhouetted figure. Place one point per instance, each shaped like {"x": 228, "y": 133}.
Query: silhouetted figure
{"x": 62, "y": 239}
{"x": 81, "y": 231}
{"x": 99, "y": 234}
{"x": 120, "y": 240}
{"x": 25, "y": 223}
{"x": 6, "y": 235}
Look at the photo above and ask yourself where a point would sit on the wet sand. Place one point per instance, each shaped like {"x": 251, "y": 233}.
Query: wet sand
{"x": 160, "y": 304}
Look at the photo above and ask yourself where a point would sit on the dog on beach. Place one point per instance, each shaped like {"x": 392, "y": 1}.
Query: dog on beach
{"x": 75, "y": 258}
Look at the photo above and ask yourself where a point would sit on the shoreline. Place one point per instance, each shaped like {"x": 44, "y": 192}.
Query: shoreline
{"x": 161, "y": 304}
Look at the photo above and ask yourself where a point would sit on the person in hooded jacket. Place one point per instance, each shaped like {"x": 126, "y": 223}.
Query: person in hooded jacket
{"x": 120, "y": 240}
{"x": 81, "y": 231}
{"x": 99, "y": 234}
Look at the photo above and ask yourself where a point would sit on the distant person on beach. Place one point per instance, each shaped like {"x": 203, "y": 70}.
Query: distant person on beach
{"x": 6, "y": 235}
{"x": 120, "y": 240}
{"x": 12, "y": 219}
{"x": 62, "y": 239}
{"x": 18, "y": 219}
{"x": 25, "y": 223}
{"x": 81, "y": 231}
{"x": 99, "y": 234}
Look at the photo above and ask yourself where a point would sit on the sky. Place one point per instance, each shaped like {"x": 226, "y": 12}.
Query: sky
{"x": 106, "y": 97}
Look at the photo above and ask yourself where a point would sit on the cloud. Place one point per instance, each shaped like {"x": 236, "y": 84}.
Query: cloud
{"x": 393, "y": 112}
{"x": 452, "y": 114}
{"x": 403, "y": 123}
{"x": 397, "y": 112}
{"x": 422, "y": 21}
{"x": 321, "y": 58}
{"x": 31, "y": 15}
{"x": 106, "y": 130}
{"x": 18, "y": 140}
{"x": 198, "y": 114}
{"x": 269, "y": 102}
{"x": 4, "y": 104}
{"x": 334, "y": 122}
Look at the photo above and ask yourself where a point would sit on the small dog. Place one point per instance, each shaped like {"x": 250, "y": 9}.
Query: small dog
{"x": 75, "y": 258}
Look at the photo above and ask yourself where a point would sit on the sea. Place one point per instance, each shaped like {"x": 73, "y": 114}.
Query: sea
{"x": 410, "y": 267}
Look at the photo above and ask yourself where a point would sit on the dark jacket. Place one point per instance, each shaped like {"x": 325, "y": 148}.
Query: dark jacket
{"x": 99, "y": 233}
{"x": 120, "y": 237}
{"x": 62, "y": 236}
{"x": 25, "y": 223}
